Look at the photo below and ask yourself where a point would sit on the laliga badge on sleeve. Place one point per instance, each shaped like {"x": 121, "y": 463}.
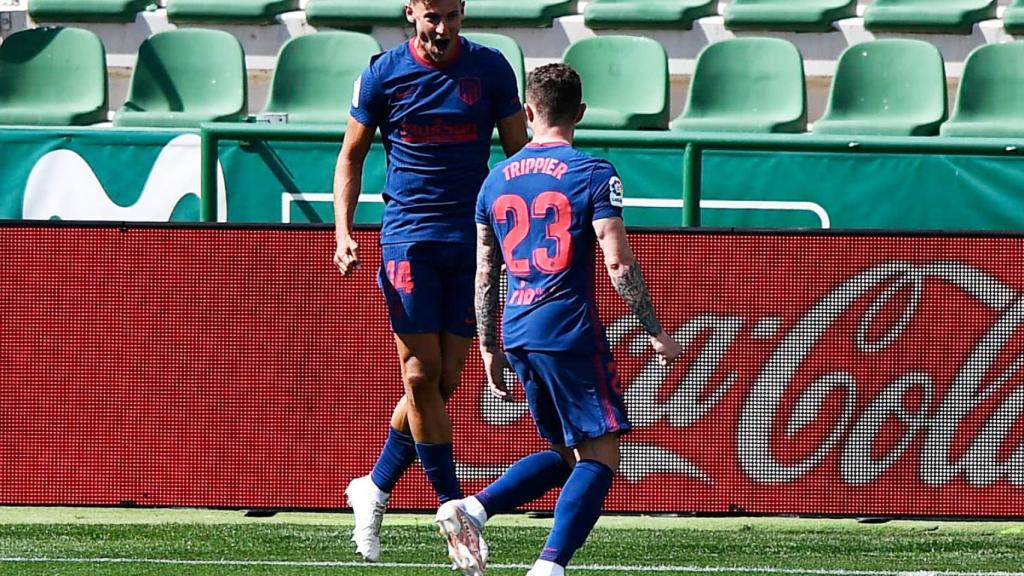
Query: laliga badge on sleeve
{"x": 355, "y": 90}
{"x": 615, "y": 191}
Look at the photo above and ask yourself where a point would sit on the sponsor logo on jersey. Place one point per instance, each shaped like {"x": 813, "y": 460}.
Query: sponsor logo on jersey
{"x": 440, "y": 132}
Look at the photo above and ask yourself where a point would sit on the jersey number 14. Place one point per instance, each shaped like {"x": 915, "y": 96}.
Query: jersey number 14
{"x": 556, "y": 230}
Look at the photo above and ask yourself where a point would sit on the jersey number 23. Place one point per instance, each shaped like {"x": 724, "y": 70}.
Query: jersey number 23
{"x": 523, "y": 216}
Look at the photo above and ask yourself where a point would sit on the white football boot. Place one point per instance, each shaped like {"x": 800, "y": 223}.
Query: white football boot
{"x": 466, "y": 546}
{"x": 368, "y": 504}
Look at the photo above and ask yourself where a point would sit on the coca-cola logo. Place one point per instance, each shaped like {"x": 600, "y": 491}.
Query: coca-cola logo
{"x": 960, "y": 414}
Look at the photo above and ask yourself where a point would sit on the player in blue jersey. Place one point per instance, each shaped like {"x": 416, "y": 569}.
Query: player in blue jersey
{"x": 436, "y": 101}
{"x": 542, "y": 212}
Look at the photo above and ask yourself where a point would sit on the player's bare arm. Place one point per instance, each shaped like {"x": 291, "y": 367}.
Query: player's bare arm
{"x": 488, "y": 274}
{"x": 624, "y": 271}
{"x": 487, "y": 301}
{"x": 348, "y": 179}
{"x": 512, "y": 133}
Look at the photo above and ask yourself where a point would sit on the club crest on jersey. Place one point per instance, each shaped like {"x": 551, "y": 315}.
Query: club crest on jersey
{"x": 615, "y": 192}
{"x": 470, "y": 90}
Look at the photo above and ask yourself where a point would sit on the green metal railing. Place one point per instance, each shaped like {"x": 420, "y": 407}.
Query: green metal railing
{"x": 214, "y": 132}
{"x": 691, "y": 144}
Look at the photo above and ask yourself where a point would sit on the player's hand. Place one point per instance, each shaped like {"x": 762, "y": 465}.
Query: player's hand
{"x": 494, "y": 366}
{"x": 346, "y": 255}
{"x": 667, "y": 348}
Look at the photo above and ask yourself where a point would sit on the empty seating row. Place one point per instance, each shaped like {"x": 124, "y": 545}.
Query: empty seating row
{"x": 57, "y": 76}
{"x": 242, "y": 11}
{"x": 185, "y": 77}
{"x": 925, "y": 16}
{"x": 892, "y": 87}
{"x": 935, "y": 16}
{"x": 335, "y": 13}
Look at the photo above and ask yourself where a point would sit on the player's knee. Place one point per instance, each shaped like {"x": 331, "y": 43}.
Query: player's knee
{"x": 421, "y": 386}
{"x": 451, "y": 374}
{"x": 604, "y": 449}
{"x": 421, "y": 370}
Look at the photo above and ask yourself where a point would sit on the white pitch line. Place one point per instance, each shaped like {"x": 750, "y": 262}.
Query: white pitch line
{"x": 590, "y": 567}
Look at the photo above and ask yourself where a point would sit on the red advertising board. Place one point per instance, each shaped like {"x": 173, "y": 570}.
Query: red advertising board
{"x": 822, "y": 374}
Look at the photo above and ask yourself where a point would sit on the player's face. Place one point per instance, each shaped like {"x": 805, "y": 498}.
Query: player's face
{"x": 437, "y": 26}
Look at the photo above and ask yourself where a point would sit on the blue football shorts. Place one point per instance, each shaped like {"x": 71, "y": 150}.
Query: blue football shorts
{"x": 428, "y": 287}
{"x": 573, "y": 397}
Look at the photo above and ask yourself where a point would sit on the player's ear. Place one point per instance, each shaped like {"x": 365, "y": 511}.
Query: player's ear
{"x": 529, "y": 112}
{"x": 583, "y": 109}
{"x": 408, "y": 12}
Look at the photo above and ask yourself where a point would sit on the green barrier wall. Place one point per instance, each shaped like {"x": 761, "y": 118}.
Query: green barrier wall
{"x": 758, "y": 180}
{"x": 291, "y": 182}
{"x": 826, "y": 189}
{"x": 99, "y": 175}
{"x": 258, "y": 173}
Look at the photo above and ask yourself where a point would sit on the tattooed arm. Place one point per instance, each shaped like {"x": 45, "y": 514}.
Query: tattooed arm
{"x": 487, "y": 301}
{"x": 624, "y": 271}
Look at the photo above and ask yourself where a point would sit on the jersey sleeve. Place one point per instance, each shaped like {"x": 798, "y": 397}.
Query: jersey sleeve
{"x": 482, "y": 216}
{"x": 606, "y": 191}
{"x": 505, "y": 101}
{"x": 368, "y": 100}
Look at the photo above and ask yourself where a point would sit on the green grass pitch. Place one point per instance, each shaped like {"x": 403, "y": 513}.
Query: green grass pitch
{"x": 98, "y": 542}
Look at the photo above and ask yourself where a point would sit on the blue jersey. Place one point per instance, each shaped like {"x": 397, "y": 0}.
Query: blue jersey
{"x": 436, "y": 123}
{"x": 541, "y": 204}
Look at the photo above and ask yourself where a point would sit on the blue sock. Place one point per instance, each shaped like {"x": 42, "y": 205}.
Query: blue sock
{"x": 438, "y": 462}
{"x": 398, "y": 454}
{"x": 577, "y": 510}
{"x": 528, "y": 479}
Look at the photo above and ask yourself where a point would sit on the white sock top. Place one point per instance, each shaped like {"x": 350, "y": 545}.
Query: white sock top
{"x": 475, "y": 510}
{"x": 546, "y": 568}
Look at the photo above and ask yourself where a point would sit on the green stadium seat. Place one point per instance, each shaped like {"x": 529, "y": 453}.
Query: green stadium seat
{"x": 893, "y": 87}
{"x": 1013, "y": 17}
{"x": 228, "y": 11}
{"x": 184, "y": 77}
{"x": 788, "y": 15}
{"x": 356, "y": 13}
{"x": 747, "y": 85}
{"x": 315, "y": 73}
{"x": 527, "y": 13}
{"x": 53, "y": 77}
{"x": 647, "y": 14}
{"x": 990, "y": 100}
{"x": 625, "y": 81}
{"x": 509, "y": 48}
{"x": 87, "y": 10}
{"x": 927, "y": 16}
